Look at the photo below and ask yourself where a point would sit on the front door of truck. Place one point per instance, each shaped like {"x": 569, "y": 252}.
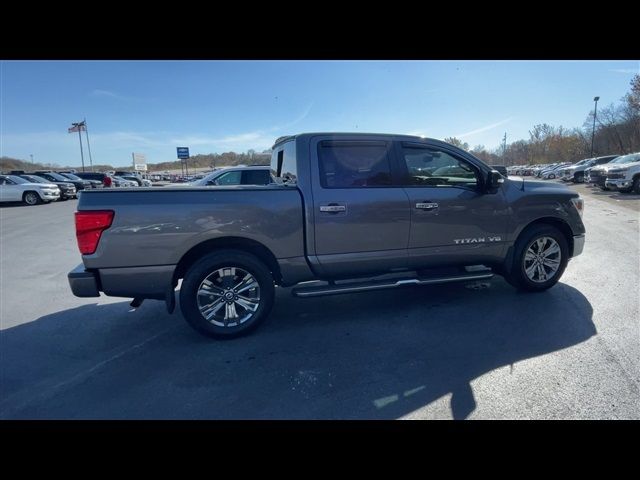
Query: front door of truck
{"x": 361, "y": 219}
{"x": 452, "y": 218}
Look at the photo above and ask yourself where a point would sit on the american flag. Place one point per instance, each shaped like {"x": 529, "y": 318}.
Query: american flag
{"x": 78, "y": 127}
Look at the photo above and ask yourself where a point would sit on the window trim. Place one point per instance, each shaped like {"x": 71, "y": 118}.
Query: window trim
{"x": 388, "y": 144}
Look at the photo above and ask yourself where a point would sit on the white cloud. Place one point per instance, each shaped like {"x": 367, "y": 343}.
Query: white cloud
{"x": 483, "y": 129}
{"x": 625, "y": 70}
{"x": 109, "y": 94}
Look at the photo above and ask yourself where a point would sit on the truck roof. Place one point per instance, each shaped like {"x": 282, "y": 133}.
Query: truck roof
{"x": 286, "y": 138}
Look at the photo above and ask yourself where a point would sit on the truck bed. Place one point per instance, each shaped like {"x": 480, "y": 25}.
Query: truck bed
{"x": 157, "y": 226}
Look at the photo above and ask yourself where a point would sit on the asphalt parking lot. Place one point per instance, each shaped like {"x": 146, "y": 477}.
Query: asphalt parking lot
{"x": 479, "y": 351}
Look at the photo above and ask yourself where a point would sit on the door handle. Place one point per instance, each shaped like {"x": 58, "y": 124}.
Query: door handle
{"x": 333, "y": 208}
{"x": 426, "y": 205}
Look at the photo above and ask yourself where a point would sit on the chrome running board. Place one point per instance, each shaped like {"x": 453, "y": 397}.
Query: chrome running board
{"x": 353, "y": 287}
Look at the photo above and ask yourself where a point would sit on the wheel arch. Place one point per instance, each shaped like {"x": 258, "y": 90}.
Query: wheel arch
{"x": 231, "y": 243}
{"x": 36, "y": 192}
{"x": 560, "y": 224}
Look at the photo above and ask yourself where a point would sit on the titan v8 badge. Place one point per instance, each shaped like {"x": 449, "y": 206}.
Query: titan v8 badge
{"x": 458, "y": 241}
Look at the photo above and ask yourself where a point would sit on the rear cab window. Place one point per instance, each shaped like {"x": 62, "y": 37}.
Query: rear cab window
{"x": 354, "y": 164}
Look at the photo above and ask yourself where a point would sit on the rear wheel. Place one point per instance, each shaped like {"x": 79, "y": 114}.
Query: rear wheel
{"x": 540, "y": 257}
{"x": 227, "y": 294}
{"x": 31, "y": 198}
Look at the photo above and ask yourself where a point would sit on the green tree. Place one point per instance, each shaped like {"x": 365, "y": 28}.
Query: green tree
{"x": 457, "y": 143}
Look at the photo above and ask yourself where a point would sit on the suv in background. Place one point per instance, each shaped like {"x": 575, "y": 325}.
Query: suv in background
{"x": 625, "y": 177}
{"x": 17, "y": 189}
{"x": 56, "y": 177}
{"x": 74, "y": 178}
{"x": 576, "y": 173}
{"x": 67, "y": 189}
{"x": 254, "y": 175}
{"x": 598, "y": 175}
{"x": 106, "y": 180}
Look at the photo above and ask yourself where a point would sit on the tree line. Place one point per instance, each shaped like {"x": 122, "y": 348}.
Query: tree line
{"x": 617, "y": 131}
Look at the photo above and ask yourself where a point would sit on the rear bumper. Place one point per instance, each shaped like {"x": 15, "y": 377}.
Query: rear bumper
{"x": 143, "y": 282}
{"x": 578, "y": 244}
{"x": 83, "y": 283}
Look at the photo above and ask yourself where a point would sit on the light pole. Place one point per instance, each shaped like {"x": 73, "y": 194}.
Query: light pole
{"x": 593, "y": 131}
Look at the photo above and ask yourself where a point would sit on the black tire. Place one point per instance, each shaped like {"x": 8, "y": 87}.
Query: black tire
{"x": 31, "y": 198}
{"x": 636, "y": 185}
{"x": 206, "y": 266}
{"x": 578, "y": 177}
{"x": 604, "y": 189}
{"x": 517, "y": 276}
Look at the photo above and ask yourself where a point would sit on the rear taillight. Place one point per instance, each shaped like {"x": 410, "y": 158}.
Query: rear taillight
{"x": 107, "y": 181}
{"x": 89, "y": 226}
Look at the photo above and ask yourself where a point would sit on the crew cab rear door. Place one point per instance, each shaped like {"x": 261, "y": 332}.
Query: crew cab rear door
{"x": 452, "y": 219}
{"x": 361, "y": 215}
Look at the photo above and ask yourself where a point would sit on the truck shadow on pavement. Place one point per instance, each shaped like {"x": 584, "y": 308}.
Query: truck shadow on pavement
{"x": 375, "y": 355}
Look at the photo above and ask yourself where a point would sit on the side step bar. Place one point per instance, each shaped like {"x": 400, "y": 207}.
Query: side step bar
{"x": 354, "y": 287}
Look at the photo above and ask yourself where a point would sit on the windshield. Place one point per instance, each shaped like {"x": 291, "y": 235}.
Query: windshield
{"x": 71, "y": 176}
{"x": 34, "y": 179}
{"x": 17, "y": 179}
{"x": 57, "y": 176}
{"x": 634, "y": 157}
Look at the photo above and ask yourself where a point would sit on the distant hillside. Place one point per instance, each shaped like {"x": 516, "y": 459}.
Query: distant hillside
{"x": 7, "y": 164}
{"x": 199, "y": 161}
{"x": 215, "y": 160}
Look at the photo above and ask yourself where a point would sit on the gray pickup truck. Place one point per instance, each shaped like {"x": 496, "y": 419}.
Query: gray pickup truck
{"x": 347, "y": 213}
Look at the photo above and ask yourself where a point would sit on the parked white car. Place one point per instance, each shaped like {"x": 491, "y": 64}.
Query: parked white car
{"x": 625, "y": 177}
{"x": 16, "y": 189}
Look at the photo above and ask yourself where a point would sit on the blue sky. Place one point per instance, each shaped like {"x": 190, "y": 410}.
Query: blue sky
{"x": 151, "y": 107}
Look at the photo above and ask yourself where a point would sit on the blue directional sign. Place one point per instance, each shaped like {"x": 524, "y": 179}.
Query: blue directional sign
{"x": 183, "y": 152}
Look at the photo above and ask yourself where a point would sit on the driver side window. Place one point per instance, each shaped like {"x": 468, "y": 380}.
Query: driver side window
{"x": 229, "y": 178}
{"x": 430, "y": 167}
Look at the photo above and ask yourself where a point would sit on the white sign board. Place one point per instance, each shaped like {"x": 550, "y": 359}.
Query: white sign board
{"x": 139, "y": 158}
{"x": 141, "y": 167}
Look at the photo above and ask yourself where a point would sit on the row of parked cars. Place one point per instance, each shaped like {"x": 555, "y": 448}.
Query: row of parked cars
{"x": 609, "y": 172}
{"x": 44, "y": 186}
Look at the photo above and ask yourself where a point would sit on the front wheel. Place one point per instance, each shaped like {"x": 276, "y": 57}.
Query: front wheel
{"x": 636, "y": 185}
{"x": 31, "y": 198}
{"x": 540, "y": 257}
{"x": 227, "y": 294}
{"x": 578, "y": 178}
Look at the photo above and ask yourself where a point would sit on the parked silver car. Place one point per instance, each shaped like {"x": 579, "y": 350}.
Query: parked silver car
{"x": 17, "y": 189}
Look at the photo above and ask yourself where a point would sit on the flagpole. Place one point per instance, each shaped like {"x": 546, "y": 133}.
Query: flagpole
{"x": 81, "y": 153}
{"x": 86, "y": 131}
